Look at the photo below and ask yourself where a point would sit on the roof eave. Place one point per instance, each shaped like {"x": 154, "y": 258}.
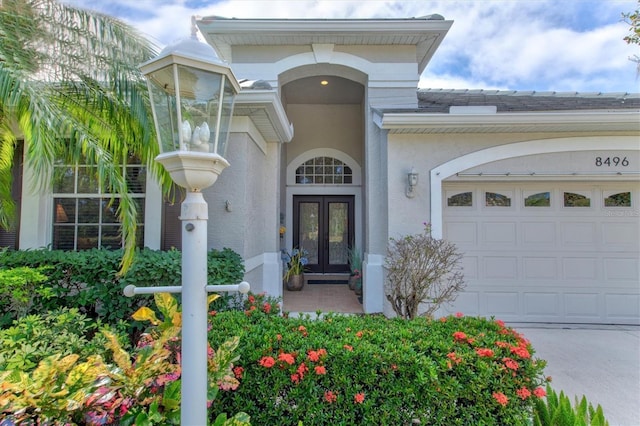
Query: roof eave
{"x": 416, "y": 122}
{"x": 223, "y": 34}
{"x": 253, "y": 102}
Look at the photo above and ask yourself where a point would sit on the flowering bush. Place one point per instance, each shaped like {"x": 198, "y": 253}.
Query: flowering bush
{"x": 372, "y": 370}
{"x": 256, "y": 304}
{"x": 296, "y": 261}
{"x": 335, "y": 370}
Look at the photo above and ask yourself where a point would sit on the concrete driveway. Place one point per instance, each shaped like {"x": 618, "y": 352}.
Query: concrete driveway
{"x": 600, "y": 362}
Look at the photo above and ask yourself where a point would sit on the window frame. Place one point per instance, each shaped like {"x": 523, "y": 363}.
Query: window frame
{"x": 62, "y": 220}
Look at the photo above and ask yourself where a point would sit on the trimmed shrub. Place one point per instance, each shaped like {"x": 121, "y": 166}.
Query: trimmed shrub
{"x": 372, "y": 370}
{"x": 88, "y": 280}
{"x": 18, "y": 288}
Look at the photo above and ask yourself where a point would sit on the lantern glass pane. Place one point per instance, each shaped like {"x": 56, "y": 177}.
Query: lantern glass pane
{"x": 225, "y": 117}
{"x": 163, "y": 102}
{"x": 200, "y": 99}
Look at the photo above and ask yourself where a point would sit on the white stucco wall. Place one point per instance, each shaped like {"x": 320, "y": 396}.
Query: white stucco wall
{"x": 250, "y": 185}
{"x": 327, "y": 126}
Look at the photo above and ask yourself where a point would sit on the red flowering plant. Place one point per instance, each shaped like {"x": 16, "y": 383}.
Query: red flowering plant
{"x": 497, "y": 362}
{"x": 374, "y": 370}
{"x": 256, "y": 304}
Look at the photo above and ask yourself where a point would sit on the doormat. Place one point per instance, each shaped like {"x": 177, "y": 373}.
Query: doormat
{"x": 327, "y": 281}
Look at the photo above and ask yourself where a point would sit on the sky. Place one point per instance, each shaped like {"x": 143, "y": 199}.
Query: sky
{"x": 525, "y": 45}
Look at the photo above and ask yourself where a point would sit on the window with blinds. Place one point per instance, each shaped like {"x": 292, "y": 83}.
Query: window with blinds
{"x": 85, "y": 215}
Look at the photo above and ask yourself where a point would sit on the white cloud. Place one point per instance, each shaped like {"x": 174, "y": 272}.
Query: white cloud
{"x": 508, "y": 44}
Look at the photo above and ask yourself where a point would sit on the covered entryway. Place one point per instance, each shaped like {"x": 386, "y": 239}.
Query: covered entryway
{"x": 323, "y": 226}
{"x": 547, "y": 251}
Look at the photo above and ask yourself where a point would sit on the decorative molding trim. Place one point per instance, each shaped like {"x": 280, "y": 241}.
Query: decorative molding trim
{"x": 519, "y": 149}
{"x": 323, "y": 52}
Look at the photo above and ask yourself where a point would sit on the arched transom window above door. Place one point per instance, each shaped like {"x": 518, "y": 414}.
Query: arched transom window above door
{"x": 323, "y": 166}
{"x": 324, "y": 170}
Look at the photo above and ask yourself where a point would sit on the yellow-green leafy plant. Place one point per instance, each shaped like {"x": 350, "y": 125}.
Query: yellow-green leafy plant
{"x": 54, "y": 391}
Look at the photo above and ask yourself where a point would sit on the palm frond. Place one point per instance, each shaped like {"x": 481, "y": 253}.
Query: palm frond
{"x": 70, "y": 84}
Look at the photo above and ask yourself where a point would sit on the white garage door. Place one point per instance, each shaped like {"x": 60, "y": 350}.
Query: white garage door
{"x": 547, "y": 251}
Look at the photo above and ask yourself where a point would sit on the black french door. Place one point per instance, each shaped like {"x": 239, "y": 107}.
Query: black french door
{"x": 323, "y": 226}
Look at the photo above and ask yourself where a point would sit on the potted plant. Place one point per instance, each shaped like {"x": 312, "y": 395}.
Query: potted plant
{"x": 355, "y": 263}
{"x": 296, "y": 261}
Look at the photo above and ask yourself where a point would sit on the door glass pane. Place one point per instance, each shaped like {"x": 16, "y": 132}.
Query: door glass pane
{"x": 338, "y": 233}
{"x": 540, "y": 199}
{"x": 621, "y": 199}
{"x": 463, "y": 199}
{"x": 309, "y": 230}
{"x": 494, "y": 199}
{"x": 572, "y": 199}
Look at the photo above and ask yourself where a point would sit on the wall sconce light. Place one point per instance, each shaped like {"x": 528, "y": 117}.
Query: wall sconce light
{"x": 412, "y": 181}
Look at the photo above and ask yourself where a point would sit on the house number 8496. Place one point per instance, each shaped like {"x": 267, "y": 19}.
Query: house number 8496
{"x": 612, "y": 161}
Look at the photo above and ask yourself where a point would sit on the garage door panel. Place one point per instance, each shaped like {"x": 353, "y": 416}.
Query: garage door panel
{"x": 539, "y": 233}
{"x": 621, "y": 269}
{"x": 502, "y": 304}
{"x": 623, "y": 306}
{"x": 467, "y": 302}
{"x": 620, "y": 234}
{"x": 500, "y": 267}
{"x": 540, "y": 303}
{"x": 499, "y": 233}
{"x": 462, "y": 233}
{"x": 578, "y": 234}
{"x": 540, "y": 268}
{"x": 581, "y": 306}
{"x": 580, "y": 268}
{"x": 470, "y": 267}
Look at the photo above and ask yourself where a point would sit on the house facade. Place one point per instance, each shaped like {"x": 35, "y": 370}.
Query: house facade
{"x": 540, "y": 191}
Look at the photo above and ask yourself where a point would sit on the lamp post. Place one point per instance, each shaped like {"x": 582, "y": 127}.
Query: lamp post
{"x": 192, "y": 92}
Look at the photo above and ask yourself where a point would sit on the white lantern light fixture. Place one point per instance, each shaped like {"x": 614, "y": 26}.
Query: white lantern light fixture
{"x": 412, "y": 181}
{"x": 192, "y": 93}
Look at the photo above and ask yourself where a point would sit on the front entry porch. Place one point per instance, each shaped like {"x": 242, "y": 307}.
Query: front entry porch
{"x": 322, "y": 297}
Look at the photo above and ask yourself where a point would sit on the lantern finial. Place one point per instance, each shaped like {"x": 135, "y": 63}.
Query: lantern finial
{"x": 194, "y": 28}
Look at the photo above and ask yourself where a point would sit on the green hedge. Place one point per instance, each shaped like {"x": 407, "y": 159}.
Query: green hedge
{"x": 88, "y": 280}
{"x": 345, "y": 370}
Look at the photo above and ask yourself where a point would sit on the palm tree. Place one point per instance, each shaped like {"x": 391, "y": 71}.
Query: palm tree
{"x": 71, "y": 89}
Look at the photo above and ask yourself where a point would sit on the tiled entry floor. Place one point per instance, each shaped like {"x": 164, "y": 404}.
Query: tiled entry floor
{"x": 321, "y": 297}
